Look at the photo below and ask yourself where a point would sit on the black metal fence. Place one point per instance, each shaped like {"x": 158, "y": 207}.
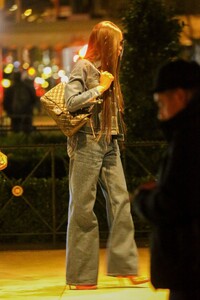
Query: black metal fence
{"x": 34, "y": 191}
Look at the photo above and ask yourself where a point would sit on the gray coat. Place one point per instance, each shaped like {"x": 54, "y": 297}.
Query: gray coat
{"x": 81, "y": 95}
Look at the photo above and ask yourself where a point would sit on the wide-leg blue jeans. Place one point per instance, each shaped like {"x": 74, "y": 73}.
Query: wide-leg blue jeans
{"x": 92, "y": 162}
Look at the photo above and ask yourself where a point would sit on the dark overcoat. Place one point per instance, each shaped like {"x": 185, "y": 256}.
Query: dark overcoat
{"x": 173, "y": 206}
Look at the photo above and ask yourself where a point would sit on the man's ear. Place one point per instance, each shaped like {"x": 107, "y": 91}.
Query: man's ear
{"x": 182, "y": 97}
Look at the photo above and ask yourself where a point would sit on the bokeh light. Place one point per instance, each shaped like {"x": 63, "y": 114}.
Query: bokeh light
{"x": 6, "y": 83}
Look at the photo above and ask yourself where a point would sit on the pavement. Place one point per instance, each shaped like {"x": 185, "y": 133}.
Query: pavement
{"x": 40, "y": 274}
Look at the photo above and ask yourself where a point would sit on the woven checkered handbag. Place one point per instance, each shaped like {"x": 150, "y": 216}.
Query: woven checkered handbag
{"x": 53, "y": 102}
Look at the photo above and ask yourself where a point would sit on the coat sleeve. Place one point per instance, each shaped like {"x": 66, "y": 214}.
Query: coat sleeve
{"x": 175, "y": 200}
{"x": 77, "y": 94}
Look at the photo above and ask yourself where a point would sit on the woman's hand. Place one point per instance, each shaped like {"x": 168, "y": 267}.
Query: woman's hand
{"x": 105, "y": 81}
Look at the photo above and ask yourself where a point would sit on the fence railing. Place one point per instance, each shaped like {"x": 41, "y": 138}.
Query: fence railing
{"x": 34, "y": 191}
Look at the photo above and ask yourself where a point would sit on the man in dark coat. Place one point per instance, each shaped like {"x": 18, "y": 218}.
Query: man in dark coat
{"x": 19, "y": 101}
{"x": 172, "y": 203}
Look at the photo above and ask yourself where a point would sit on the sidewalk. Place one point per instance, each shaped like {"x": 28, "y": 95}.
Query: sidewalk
{"x": 36, "y": 275}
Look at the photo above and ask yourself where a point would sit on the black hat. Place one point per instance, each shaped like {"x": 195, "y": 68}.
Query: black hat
{"x": 177, "y": 74}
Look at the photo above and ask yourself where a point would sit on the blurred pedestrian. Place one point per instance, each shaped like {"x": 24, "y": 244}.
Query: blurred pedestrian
{"x": 172, "y": 204}
{"x": 19, "y": 101}
{"x": 95, "y": 157}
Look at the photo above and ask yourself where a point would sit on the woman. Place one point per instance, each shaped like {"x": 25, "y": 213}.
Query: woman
{"x": 95, "y": 158}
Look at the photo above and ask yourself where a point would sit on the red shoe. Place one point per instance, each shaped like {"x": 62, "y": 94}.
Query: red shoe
{"x": 83, "y": 287}
{"x": 135, "y": 280}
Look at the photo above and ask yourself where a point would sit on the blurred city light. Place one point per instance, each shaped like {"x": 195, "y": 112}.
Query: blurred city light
{"x": 14, "y": 7}
{"x": 6, "y": 83}
{"x": 8, "y": 68}
{"x": 16, "y": 64}
{"x": 28, "y": 12}
{"x": 83, "y": 51}
{"x": 61, "y": 73}
{"x": 45, "y": 84}
{"x": 31, "y": 71}
{"x": 25, "y": 66}
{"x": 64, "y": 78}
{"x": 76, "y": 57}
{"x": 39, "y": 80}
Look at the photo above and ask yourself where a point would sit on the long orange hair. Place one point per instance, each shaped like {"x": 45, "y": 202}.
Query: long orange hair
{"x": 103, "y": 46}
